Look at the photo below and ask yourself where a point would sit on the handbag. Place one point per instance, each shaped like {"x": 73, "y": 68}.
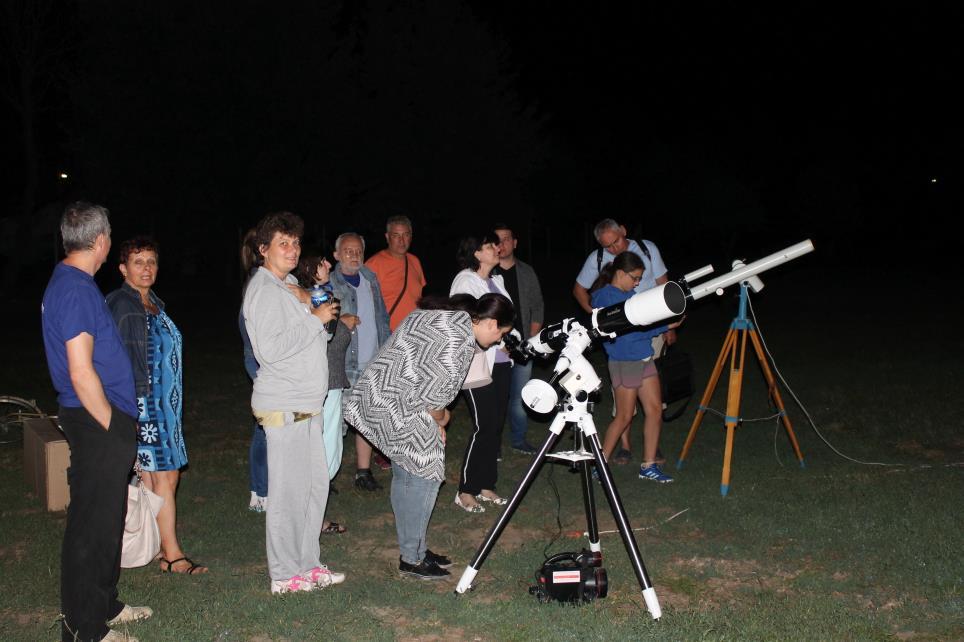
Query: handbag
{"x": 675, "y": 369}
{"x": 479, "y": 374}
{"x": 142, "y": 538}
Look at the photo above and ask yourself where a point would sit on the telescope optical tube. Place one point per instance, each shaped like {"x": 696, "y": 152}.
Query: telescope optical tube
{"x": 646, "y": 308}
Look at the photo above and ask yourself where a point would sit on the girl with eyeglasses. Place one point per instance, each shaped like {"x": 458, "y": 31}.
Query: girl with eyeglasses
{"x": 631, "y": 367}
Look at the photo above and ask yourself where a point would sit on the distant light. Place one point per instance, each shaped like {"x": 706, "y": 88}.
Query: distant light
{"x": 933, "y": 180}
{"x": 64, "y": 176}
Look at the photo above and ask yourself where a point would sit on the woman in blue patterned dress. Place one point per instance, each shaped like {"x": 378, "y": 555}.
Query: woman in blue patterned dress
{"x": 153, "y": 344}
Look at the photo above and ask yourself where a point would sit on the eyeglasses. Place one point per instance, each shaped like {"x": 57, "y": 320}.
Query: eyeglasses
{"x": 635, "y": 277}
{"x": 619, "y": 239}
{"x": 351, "y": 253}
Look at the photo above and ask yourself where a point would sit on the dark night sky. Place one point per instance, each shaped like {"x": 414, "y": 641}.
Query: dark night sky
{"x": 712, "y": 130}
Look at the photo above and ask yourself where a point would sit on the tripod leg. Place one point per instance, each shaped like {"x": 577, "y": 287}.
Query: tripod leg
{"x": 775, "y": 394}
{"x": 588, "y": 498}
{"x": 622, "y": 523}
{"x": 465, "y": 582}
{"x": 728, "y": 344}
{"x": 733, "y": 409}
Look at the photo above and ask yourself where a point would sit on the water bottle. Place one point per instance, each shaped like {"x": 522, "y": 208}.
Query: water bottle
{"x": 322, "y": 294}
{"x": 319, "y": 294}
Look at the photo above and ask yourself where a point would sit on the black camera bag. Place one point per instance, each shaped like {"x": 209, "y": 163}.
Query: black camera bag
{"x": 676, "y": 379}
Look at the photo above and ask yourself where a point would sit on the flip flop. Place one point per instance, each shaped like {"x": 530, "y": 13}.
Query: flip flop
{"x": 333, "y": 528}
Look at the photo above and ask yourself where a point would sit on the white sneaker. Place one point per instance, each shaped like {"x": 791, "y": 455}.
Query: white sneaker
{"x": 257, "y": 504}
{"x": 322, "y": 576}
{"x": 117, "y": 636}
{"x": 130, "y": 614}
{"x": 292, "y": 585}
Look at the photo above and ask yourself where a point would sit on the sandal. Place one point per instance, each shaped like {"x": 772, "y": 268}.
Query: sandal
{"x": 468, "y": 508}
{"x": 192, "y": 569}
{"x": 495, "y": 499}
{"x": 333, "y": 528}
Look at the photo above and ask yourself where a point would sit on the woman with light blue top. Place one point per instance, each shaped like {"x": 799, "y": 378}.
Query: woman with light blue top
{"x": 315, "y": 270}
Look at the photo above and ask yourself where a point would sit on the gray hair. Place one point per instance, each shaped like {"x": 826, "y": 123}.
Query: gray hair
{"x": 81, "y": 224}
{"x": 401, "y": 219}
{"x": 605, "y": 225}
{"x": 342, "y": 237}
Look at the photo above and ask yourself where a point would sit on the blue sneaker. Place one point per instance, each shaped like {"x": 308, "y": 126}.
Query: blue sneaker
{"x": 653, "y": 473}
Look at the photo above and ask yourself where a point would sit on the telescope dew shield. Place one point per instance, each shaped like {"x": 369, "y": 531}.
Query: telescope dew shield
{"x": 653, "y": 305}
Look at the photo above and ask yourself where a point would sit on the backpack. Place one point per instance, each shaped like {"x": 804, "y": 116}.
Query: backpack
{"x": 640, "y": 243}
{"x": 675, "y": 366}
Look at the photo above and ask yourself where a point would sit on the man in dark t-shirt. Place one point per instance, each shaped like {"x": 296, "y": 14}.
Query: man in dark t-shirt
{"x": 523, "y": 286}
{"x": 95, "y": 389}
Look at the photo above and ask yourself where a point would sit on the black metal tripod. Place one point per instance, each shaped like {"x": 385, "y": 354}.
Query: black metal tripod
{"x": 574, "y": 412}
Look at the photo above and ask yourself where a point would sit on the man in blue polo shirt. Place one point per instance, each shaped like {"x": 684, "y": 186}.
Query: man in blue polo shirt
{"x": 95, "y": 389}
{"x": 612, "y": 240}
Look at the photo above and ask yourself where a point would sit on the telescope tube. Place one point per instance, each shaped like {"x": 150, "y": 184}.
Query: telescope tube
{"x": 653, "y": 305}
{"x": 743, "y": 273}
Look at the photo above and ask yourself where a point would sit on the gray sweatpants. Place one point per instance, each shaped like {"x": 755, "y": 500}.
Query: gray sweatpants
{"x": 298, "y": 496}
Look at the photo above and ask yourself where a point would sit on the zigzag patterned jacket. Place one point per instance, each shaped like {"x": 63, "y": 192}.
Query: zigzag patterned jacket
{"x": 421, "y": 366}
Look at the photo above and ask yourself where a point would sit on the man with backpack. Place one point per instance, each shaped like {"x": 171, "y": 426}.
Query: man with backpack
{"x": 612, "y": 240}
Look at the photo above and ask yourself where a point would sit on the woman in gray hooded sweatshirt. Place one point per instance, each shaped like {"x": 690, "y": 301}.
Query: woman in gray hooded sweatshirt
{"x": 290, "y": 343}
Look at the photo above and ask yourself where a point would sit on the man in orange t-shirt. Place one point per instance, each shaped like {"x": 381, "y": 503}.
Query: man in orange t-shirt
{"x": 399, "y": 273}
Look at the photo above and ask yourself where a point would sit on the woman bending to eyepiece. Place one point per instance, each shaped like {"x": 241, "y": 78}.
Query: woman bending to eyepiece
{"x": 631, "y": 366}
{"x": 400, "y": 405}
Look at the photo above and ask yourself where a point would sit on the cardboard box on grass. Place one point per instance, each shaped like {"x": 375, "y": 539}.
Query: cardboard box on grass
{"x": 46, "y": 458}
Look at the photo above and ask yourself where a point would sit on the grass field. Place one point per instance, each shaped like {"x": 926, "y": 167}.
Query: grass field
{"x": 835, "y": 551}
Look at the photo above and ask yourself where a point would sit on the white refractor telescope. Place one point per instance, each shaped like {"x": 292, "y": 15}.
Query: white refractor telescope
{"x": 646, "y": 308}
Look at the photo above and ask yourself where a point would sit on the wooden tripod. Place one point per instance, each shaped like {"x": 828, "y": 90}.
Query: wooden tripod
{"x": 735, "y": 343}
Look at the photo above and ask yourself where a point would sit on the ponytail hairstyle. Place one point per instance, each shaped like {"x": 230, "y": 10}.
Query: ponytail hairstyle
{"x": 488, "y": 306}
{"x": 625, "y": 261}
{"x": 250, "y": 256}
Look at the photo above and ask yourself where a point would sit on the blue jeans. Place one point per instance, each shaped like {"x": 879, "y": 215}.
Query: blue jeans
{"x": 258, "y": 462}
{"x": 413, "y": 500}
{"x": 258, "y": 452}
{"x": 518, "y": 420}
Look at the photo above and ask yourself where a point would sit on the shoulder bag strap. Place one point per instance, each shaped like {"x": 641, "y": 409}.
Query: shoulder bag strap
{"x": 642, "y": 245}
{"x": 404, "y": 287}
